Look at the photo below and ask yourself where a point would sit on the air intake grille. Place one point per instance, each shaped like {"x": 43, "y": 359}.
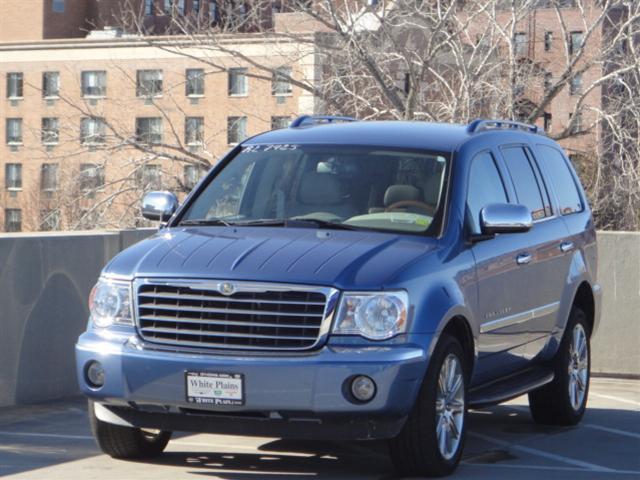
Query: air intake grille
{"x": 250, "y": 318}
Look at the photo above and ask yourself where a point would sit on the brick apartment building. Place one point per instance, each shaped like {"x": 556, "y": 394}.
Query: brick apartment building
{"x": 540, "y": 41}
{"x": 69, "y": 105}
{"x": 73, "y": 92}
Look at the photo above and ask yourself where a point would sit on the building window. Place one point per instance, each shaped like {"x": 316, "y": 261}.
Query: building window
{"x": 406, "y": 83}
{"x": 57, "y": 6}
{"x": 13, "y": 176}
{"x": 195, "y": 6}
{"x": 547, "y": 122}
{"x": 238, "y": 82}
{"x": 548, "y": 41}
{"x": 50, "y": 84}
{"x": 181, "y": 7}
{"x": 575, "y": 122}
{"x": 167, "y": 6}
{"x": 575, "y": 42}
{"x": 192, "y": 175}
{"x": 280, "y": 122}
{"x": 15, "y": 82}
{"x": 50, "y": 131}
{"x": 148, "y": 7}
{"x": 92, "y": 131}
{"x": 149, "y": 83}
{"x": 14, "y": 131}
{"x": 91, "y": 177}
{"x": 149, "y": 177}
{"x": 213, "y": 11}
{"x": 94, "y": 83}
{"x": 521, "y": 43}
{"x": 49, "y": 177}
{"x": 277, "y": 7}
{"x": 149, "y": 130}
{"x": 281, "y": 81}
{"x": 195, "y": 82}
{"x": 518, "y": 91}
{"x": 236, "y": 129}
{"x": 241, "y": 10}
{"x": 548, "y": 80}
{"x": 194, "y": 130}
{"x": 575, "y": 85}
{"x": 49, "y": 220}
{"x": 12, "y": 220}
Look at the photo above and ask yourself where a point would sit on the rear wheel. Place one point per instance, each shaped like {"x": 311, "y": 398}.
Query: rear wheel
{"x": 432, "y": 439}
{"x": 563, "y": 401}
{"x": 127, "y": 442}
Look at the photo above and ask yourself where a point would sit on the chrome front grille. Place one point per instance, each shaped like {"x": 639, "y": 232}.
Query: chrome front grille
{"x": 247, "y": 316}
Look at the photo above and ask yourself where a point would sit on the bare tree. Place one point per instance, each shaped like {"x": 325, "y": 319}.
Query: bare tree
{"x": 453, "y": 61}
{"x": 446, "y": 61}
{"x": 97, "y": 160}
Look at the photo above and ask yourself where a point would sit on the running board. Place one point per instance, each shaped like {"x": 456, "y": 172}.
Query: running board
{"x": 509, "y": 387}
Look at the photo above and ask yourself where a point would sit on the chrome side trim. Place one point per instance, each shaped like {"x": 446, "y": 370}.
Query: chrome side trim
{"x": 519, "y": 317}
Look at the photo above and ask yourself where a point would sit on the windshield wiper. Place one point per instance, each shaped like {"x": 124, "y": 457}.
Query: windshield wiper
{"x": 206, "y": 222}
{"x": 325, "y": 224}
{"x": 272, "y": 222}
{"x": 263, "y": 222}
{"x": 296, "y": 222}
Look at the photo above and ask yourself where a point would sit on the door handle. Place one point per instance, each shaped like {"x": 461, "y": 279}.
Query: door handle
{"x": 566, "y": 246}
{"x": 524, "y": 258}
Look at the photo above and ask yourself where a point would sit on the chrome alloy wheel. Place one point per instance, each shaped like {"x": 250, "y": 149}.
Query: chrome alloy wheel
{"x": 450, "y": 406}
{"x": 578, "y": 367}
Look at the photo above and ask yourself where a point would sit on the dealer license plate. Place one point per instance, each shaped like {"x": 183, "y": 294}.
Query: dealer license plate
{"x": 215, "y": 388}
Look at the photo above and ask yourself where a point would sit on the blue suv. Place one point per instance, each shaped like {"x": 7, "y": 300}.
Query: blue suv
{"x": 351, "y": 279}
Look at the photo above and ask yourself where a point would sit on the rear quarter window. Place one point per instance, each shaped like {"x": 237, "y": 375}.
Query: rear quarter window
{"x": 561, "y": 179}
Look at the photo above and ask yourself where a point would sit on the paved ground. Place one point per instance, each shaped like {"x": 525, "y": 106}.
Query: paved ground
{"x": 53, "y": 442}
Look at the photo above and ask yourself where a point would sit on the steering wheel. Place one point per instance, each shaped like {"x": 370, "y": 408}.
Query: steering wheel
{"x": 412, "y": 203}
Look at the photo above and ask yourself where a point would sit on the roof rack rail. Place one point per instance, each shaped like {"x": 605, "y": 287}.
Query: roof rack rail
{"x": 308, "y": 120}
{"x": 480, "y": 125}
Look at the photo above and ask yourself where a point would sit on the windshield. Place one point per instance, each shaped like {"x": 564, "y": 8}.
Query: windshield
{"x": 341, "y": 186}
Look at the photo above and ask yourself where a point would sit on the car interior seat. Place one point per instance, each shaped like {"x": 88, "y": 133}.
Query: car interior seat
{"x": 398, "y": 193}
{"x": 321, "y": 193}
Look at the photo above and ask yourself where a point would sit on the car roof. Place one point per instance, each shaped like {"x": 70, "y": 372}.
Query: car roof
{"x": 435, "y": 137}
{"x": 439, "y": 137}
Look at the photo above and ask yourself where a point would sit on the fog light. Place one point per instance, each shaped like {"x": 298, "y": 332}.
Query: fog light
{"x": 95, "y": 374}
{"x": 363, "y": 388}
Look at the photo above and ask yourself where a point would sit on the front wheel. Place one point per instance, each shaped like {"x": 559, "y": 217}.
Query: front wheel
{"x": 432, "y": 439}
{"x": 563, "y": 401}
{"x": 127, "y": 442}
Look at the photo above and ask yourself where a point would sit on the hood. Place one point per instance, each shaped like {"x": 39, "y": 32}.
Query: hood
{"x": 340, "y": 258}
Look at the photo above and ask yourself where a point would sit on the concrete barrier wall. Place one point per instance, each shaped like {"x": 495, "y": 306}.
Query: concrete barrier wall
{"x": 45, "y": 280}
{"x": 616, "y": 345}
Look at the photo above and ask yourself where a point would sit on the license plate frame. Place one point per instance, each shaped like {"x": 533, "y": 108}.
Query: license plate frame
{"x": 214, "y": 388}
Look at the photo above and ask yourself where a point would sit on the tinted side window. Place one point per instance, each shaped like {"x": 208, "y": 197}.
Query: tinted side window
{"x": 485, "y": 187}
{"x": 524, "y": 180}
{"x": 561, "y": 179}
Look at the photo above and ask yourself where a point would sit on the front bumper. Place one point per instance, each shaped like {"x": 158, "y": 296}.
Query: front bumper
{"x": 296, "y": 396}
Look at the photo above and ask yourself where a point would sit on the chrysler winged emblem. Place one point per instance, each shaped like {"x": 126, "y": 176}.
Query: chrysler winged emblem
{"x": 226, "y": 288}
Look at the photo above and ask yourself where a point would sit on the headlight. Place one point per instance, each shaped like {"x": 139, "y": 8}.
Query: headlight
{"x": 376, "y": 316}
{"x": 110, "y": 302}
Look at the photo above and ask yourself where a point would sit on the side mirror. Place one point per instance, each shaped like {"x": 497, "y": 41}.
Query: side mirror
{"x": 505, "y": 218}
{"x": 159, "y": 206}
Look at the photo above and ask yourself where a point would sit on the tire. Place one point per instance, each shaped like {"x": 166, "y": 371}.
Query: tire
{"x": 563, "y": 401}
{"x": 126, "y": 442}
{"x": 416, "y": 451}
